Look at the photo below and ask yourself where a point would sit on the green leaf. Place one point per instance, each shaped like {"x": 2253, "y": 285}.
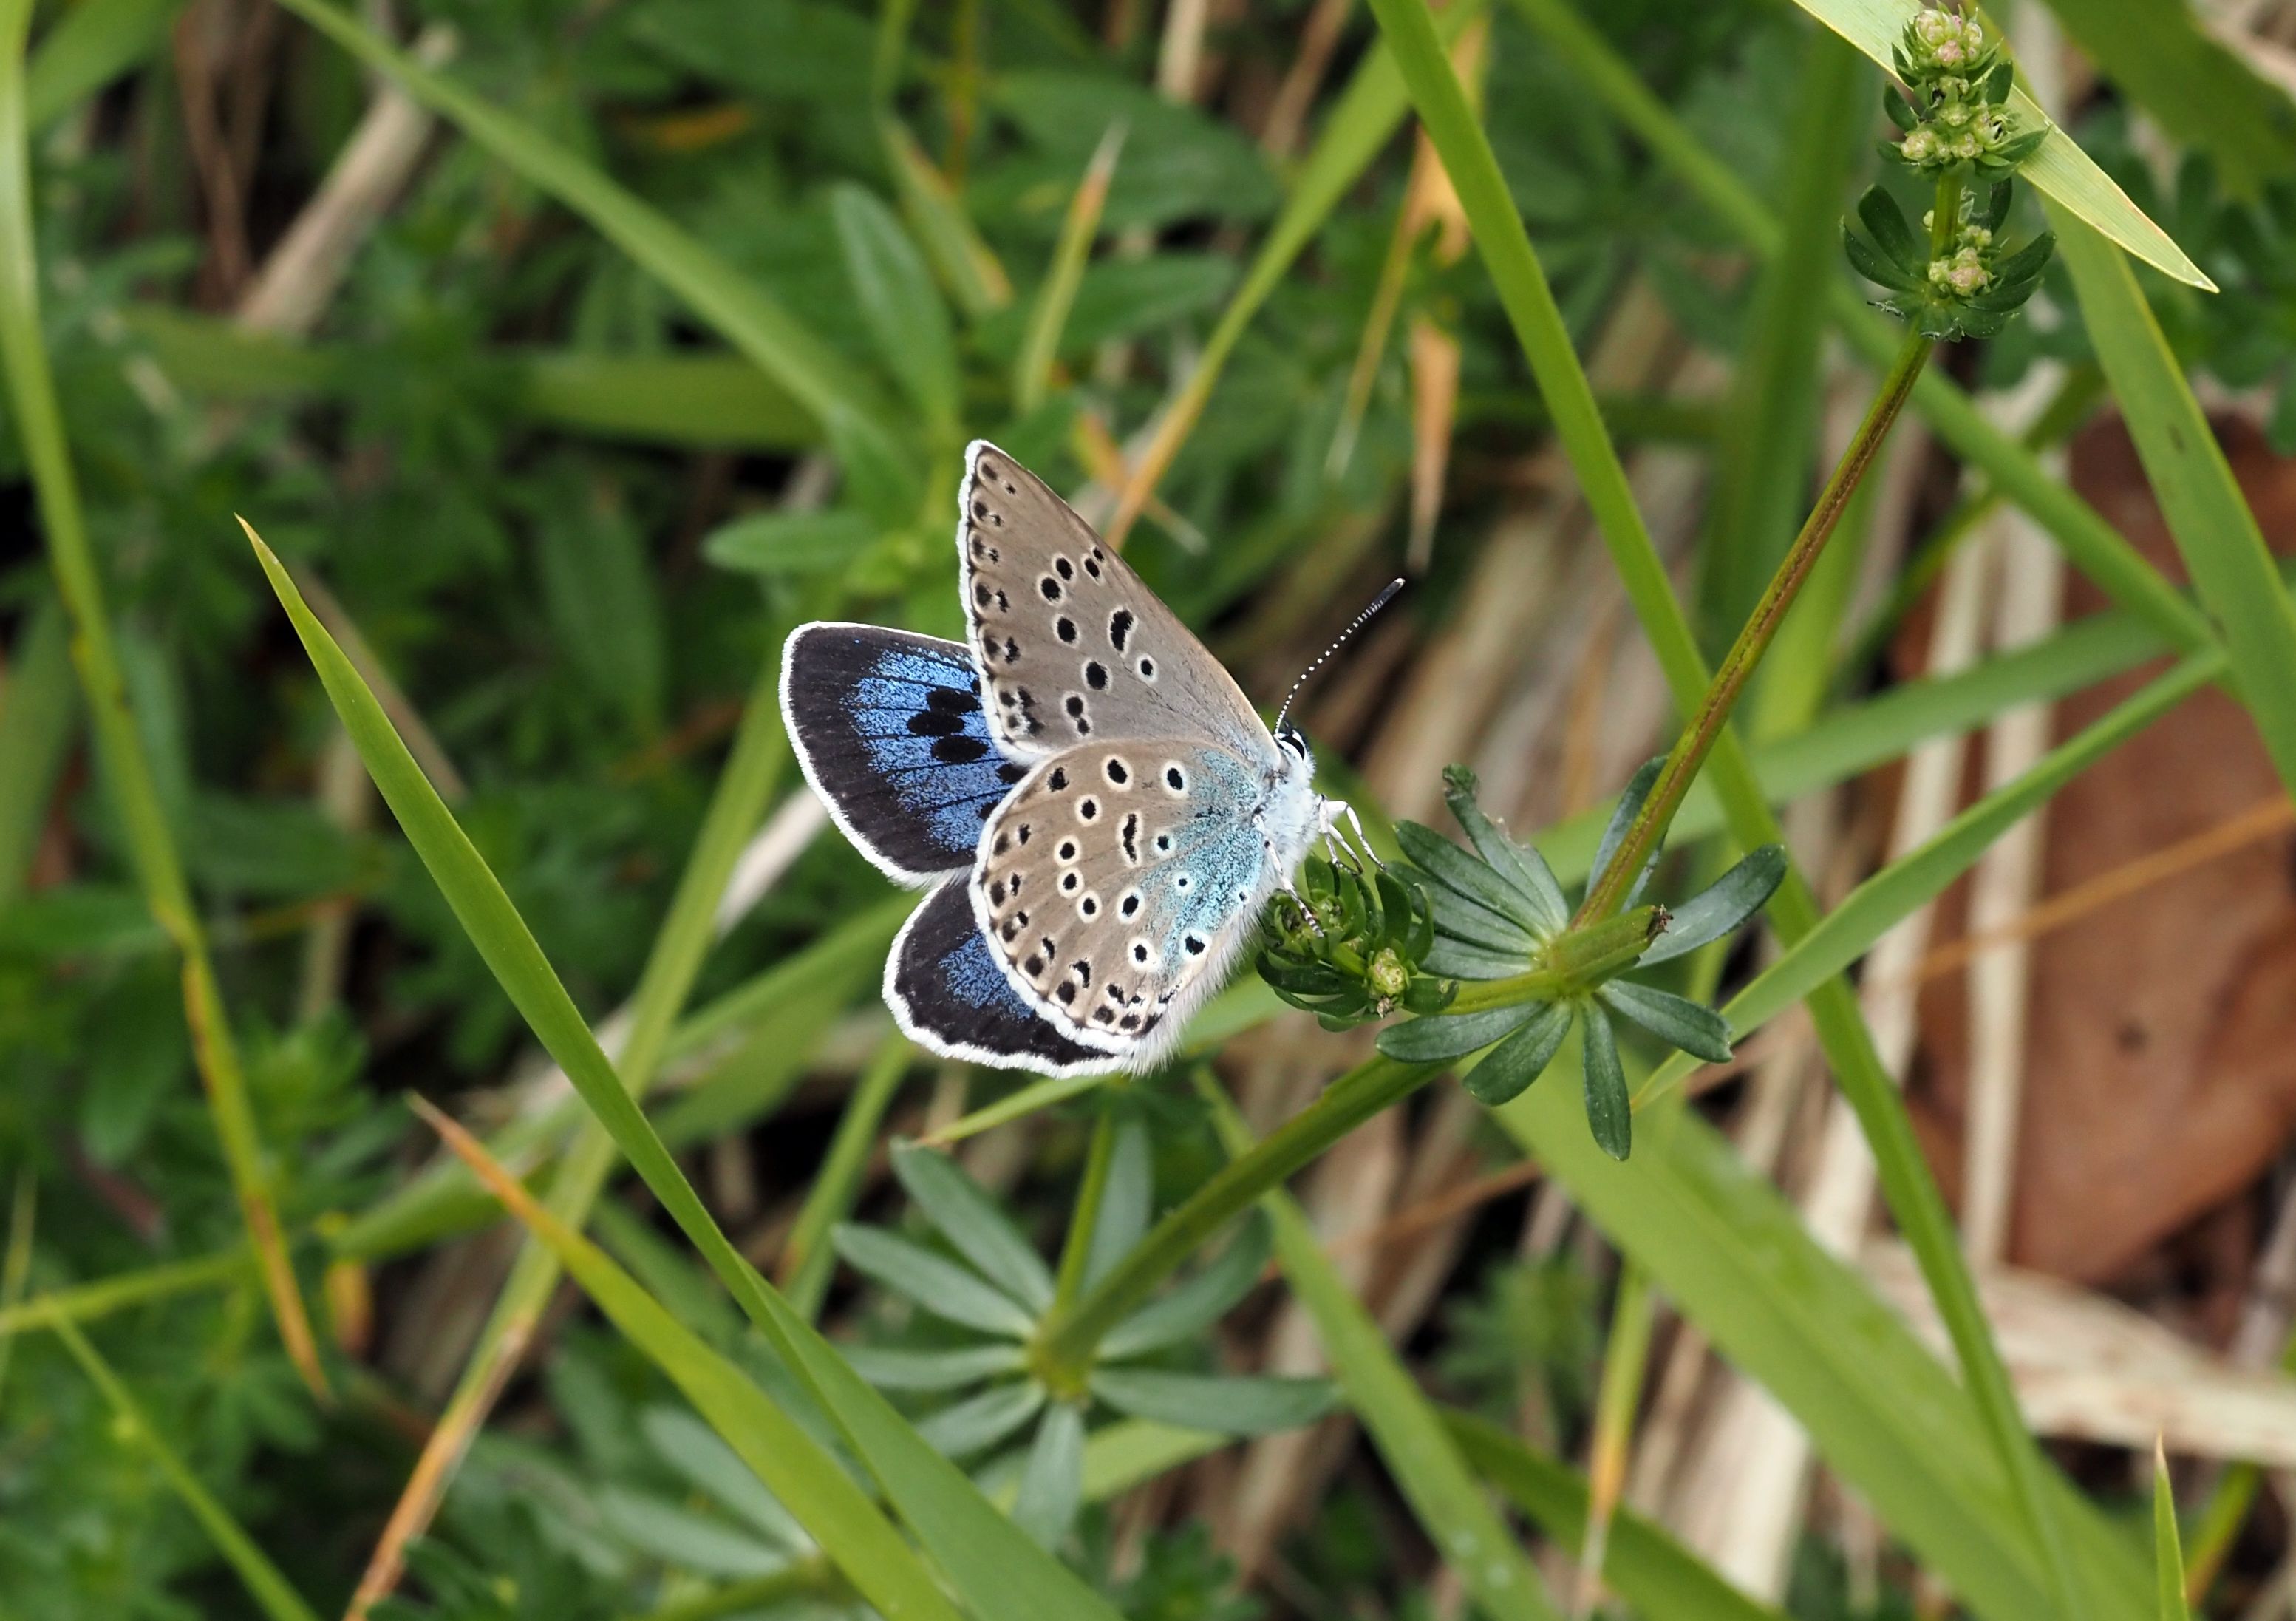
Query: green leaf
{"x": 1717, "y": 910}
{"x": 2058, "y": 169}
{"x": 979, "y": 1422}
{"x": 1887, "y": 221}
{"x": 1522, "y": 1058}
{"x": 38, "y": 707}
{"x": 1453, "y": 1035}
{"x": 1052, "y": 1482}
{"x": 1198, "y": 1303}
{"x": 1622, "y": 817}
{"x": 2167, "y": 1548}
{"x": 2215, "y": 531}
{"x": 1514, "y": 911}
{"x": 1875, "y": 266}
{"x": 604, "y": 610}
{"x": 86, "y": 47}
{"x": 1253, "y": 1404}
{"x": 836, "y": 1513}
{"x": 1445, "y": 1497}
{"x": 682, "y": 1538}
{"x": 1610, "y": 1114}
{"x": 1677, "y": 1020}
{"x": 692, "y": 1450}
{"x": 939, "y": 1287}
{"x": 938, "y": 1370}
{"x": 1462, "y": 959}
{"x": 791, "y": 543}
{"x": 1523, "y": 868}
{"x": 971, "y": 1221}
{"x": 900, "y": 305}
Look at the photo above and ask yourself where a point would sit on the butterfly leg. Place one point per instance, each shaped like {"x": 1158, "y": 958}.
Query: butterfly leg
{"x": 1338, "y": 812}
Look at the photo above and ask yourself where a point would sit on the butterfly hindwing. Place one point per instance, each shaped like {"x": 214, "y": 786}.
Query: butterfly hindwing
{"x": 889, "y": 730}
{"x": 950, "y": 995}
{"x": 1117, "y": 883}
{"x": 1071, "y": 646}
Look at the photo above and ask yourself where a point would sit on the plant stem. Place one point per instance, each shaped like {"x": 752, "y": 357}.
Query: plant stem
{"x": 1085, "y": 1217}
{"x": 807, "y": 1259}
{"x": 1730, "y": 677}
{"x": 1069, "y": 1335}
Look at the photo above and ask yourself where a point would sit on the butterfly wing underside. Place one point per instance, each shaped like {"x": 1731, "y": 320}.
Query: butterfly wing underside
{"x": 889, "y": 728}
{"x": 1071, "y": 646}
{"x": 950, "y": 995}
{"x": 1117, "y": 884}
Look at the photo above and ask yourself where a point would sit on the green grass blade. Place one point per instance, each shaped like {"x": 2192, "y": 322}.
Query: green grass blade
{"x": 990, "y": 1561}
{"x": 1885, "y": 1414}
{"x": 89, "y": 45}
{"x": 809, "y": 1483}
{"x": 1663, "y": 1580}
{"x": 1419, "y": 1452}
{"x": 1769, "y": 433}
{"x": 128, "y": 777}
{"x": 265, "y": 1584}
{"x": 900, "y": 306}
{"x": 849, "y": 408}
{"x": 2167, "y": 1549}
{"x": 2233, "y": 570}
{"x": 1032, "y": 370}
{"x": 36, "y": 708}
{"x": 2059, "y": 170}
{"x": 85, "y": 1302}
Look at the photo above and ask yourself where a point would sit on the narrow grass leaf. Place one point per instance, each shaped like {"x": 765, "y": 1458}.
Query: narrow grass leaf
{"x": 987, "y": 1558}
{"x": 2216, "y": 533}
{"x": 835, "y": 1512}
{"x": 1240, "y": 1405}
{"x": 1198, "y": 1303}
{"x": 271, "y": 1591}
{"x": 1445, "y": 1497}
{"x": 2168, "y": 1547}
{"x": 939, "y": 1287}
{"x": 36, "y": 709}
{"x": 1032, "y": 371}
{"x": 88, "y": 46}
{"x": 900, "y": 305}
{"x": 806, "y": 1258}
{"x": 970, "y": 1220}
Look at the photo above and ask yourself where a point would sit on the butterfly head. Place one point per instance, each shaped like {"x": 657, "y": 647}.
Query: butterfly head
{"x": 1294, "y": 744}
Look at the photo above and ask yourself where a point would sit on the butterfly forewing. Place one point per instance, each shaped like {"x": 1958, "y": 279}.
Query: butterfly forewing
{"x": 1118, "y": 881}
{"x": 1071, "y": 647}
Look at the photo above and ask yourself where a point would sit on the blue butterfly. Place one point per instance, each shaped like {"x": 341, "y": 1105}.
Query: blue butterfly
{"x": 1098, "y": 811}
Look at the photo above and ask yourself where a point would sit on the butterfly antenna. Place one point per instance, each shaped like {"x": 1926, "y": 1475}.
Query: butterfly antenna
{"x": 1354, "y": 625}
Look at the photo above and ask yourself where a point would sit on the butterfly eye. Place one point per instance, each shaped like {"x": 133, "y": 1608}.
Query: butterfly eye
{"x": 1289, "y": 739}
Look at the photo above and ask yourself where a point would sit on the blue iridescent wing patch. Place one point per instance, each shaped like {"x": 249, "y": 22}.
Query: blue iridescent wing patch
{"x": 949, "y": 995}
{"x": 889, "y": 730}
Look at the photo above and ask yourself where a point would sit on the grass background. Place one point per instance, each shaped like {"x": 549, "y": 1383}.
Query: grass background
{"x": 564, "y": 357}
